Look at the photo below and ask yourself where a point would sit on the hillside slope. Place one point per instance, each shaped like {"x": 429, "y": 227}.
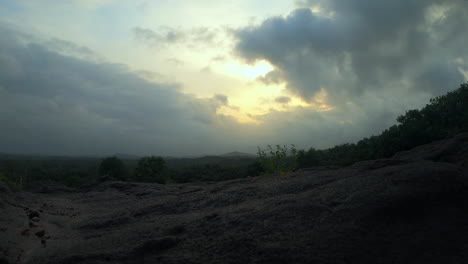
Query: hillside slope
{"x": 412, "y": 208}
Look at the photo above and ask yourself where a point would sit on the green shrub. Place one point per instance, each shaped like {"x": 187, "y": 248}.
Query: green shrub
{"x": 18, "y": 183}
{"x": 279, "y": 159}
{"x": 113, "y": 167}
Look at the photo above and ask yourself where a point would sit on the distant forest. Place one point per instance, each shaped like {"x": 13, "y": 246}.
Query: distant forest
{"x": 443, "y": 117}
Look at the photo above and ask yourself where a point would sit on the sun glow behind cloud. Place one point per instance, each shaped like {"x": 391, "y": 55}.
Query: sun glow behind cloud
{"x": 250, "y": 72}
{"x": 260, "y": 100}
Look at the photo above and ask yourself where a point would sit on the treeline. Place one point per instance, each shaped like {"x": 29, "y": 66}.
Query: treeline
{"x": 30, "y": 173}
{"x": 444, "y": 116}
{"x": 154, "y": 169}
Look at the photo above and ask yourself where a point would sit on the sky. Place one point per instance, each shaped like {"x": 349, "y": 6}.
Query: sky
{"x": 197, "y": 77}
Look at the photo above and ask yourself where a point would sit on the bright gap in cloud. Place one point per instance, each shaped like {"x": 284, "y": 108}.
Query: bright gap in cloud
{"x": 247, "y": 71}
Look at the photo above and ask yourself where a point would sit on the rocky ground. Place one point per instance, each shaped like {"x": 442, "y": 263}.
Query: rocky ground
{"x": 412, "y": 208}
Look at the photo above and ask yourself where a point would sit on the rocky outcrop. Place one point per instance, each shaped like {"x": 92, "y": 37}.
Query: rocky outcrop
{"x": 412, "y": 208}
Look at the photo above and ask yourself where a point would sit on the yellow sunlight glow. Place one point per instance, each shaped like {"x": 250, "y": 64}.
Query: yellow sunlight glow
{"x": 260, "y": 101}
{"x": 238, "y": 115}
{"x": 248, "y": 71}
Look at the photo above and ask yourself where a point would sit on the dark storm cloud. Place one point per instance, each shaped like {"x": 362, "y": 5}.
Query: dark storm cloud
{"x": 273, "y": 77}
{"x": 56, "y": 104}
{"x": 360, "y": 46}
{"x": 371, "y": 60}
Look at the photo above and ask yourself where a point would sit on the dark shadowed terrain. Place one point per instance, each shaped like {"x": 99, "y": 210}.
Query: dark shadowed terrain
{"x": 411, "y": 208}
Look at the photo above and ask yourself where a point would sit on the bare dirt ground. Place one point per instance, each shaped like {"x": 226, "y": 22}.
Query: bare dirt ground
{"x": 412, "y": 208}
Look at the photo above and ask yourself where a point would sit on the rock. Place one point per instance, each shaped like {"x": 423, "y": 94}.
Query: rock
{"x": 40, "y": 233}
{"x": 25, "y": 232}
{"x": 155, "y": 246}
{"x": 32, "y": 214}
{"x": 4, "y": 189}
{"x": 176, "y": 230}
{"x": 411, "y": 208}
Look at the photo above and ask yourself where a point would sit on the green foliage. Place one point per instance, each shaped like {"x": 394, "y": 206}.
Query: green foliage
{"x": 18, "y": 183}
{"x": 151, "y": 169}
{"x": 35, "y": 172}
{"x": 113, "y": 167}
{"x": 444, "y": 116}
{"x": 254, "y": 169}
{"x": 279, "y": 159}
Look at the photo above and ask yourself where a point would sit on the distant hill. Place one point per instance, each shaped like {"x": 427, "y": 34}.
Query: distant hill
{"x": 238, "y": 154}
{"x": 126, "y": 156}
{"x": 7, "y": 156}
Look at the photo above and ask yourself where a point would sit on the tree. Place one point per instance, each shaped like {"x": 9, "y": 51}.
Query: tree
{"x": 279, "y": 159}
{"x": 308, "y": 158}
{"x": 113, "y": 167}
{"x": 151, "y": 169}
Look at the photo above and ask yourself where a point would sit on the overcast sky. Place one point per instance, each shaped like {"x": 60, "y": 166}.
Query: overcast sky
{"x": 185, "y": 77}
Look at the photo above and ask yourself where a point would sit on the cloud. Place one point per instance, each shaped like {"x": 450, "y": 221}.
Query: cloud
{"x": 361, "y": 46}
{"x": 93, "y": 3}
{"x": 222, "y": 99}
{"x": 165, "y": 36}
{"x": 206, "y": 70}
{"x": 175, "y": 62}
{"x": 373, "y": 59}
{"x": 282, "y": 99}
{"x": 218, "y": 58}
{"x": 273, "y": 77}
{"x": 57, "y": 97}
{"x": 71, "y": 49}
{"x": 52, "y": 103}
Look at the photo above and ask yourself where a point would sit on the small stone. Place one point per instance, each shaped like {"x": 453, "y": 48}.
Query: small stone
{"x": 25, "y": 232}
{"x": 35, "y": 219}
{"x": 32, "y": 224}
{"x": 40, "y": 233}
{"x": 211, "y": 216}
{"x": 176, "y": 230}
{"x": 32, "y": 214}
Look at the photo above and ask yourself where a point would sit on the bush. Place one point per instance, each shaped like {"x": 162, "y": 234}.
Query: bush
{"x": 277, "y": 160}
{"x": 151, "y": 169}
{"x": 113, "y": 167}
{"x": 18, "y": 183}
